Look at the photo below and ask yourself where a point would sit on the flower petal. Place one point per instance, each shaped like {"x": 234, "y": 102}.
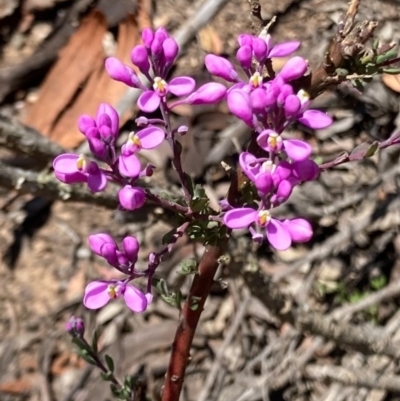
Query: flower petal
{"x": 129, "y": 166}
{"x": 209, "y": 93}
{"x": 96, "y": 241}
{"x": 297, "y": 149}
{"x": 315, "y": 119}
{"x": 96, "y": 295}
{"x": 239, "y": 104}
{"x": 278, "y": 235}
{"x": 131, "y": 248}
{"x": 97, "y": 181}
{"x": 299, "y": 229}
{"x": 240, "y": 218}
{"x": 66, "y": 169}
{"x": 148, "y": 101}
{"x": 150, "y": 137}
{"x": 284, "y": 49}
{"x": 181, "y": 86}
{"x": 131, "y": 198}
{"x": 135, "y": 299}
{"x": 220, "y": 67}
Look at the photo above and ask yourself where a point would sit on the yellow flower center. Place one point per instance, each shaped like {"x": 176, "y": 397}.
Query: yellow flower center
{"x": 263, "y": 217}
{"x": 135, "y": 139}
{"x": 114, "y": 291}
{"x": 160, "y": 85}
{"x": 256, "y": 80}
{"x": 274, "y": 141}
{"x": 81, "y": 162}
{"x": 303, "y": 96}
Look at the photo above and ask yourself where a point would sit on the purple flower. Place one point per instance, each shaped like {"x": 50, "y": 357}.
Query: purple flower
{"x": 104, "y": 245}
{"x": 294, "y": 148}
{"x": 122, "y": 73}
{"x": 209, "y": 93}
{"x": 279, "y": 233}
{"x": 239, "y": 104}
{"x": 129, "y": 165}
{"x": 147, "y": 138}
{"x": 99, "y": 293}
{"x": 70, "y": 168}
{"x": 294, "y": 68}
{"x": 150, "y": 100}
{"x": 280, "y": 49}
{"x": 75, "y": 326}
{"x": 221, "y": 67}
{"x": 101, "y": 132}
{"x": 131, "y": 198}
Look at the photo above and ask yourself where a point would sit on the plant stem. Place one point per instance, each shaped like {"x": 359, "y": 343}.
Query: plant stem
{"x": 192, "y": 309}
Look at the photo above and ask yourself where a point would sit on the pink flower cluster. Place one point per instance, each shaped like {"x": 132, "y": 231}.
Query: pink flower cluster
{"x": 269, "y": 108}
{"x": 99, "y": 293}
{"x": 158, "y": 54}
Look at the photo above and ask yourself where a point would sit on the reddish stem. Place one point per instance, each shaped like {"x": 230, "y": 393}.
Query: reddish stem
{"x": 192, "y": 309}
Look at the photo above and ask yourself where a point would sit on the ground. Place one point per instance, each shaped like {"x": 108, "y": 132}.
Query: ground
{"x": 242, "y": 351}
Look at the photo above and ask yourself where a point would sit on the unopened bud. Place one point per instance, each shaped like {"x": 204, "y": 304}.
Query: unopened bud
{"x": 75, "y": 326}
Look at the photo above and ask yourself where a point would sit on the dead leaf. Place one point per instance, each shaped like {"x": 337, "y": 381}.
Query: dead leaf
{"x": 82, "y": 55}
{"x": 392, "y": 81}
{"x": 209, "y": 40}
{"x": 17, "y": 386}
{"x": 90, "y": 85}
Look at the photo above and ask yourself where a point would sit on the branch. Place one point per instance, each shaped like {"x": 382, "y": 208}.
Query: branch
{"x": 46, "y": 185}
{"x": 364, "y": 339}
{"x": 353, "y": 378}
{"x": 192, "y": 309}
{"x": 26, "y": 140}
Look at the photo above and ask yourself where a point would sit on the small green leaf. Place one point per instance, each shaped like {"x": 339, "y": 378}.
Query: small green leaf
{"x": 389, "y": 55}
{"x": 391, "y": 71}
{"x": 187, "y": 267}
{"x": 86, "y": 356}
{"x": 372, "y": 149}
{"x": 95, "y": 341}
{"x": 107, "y": 376}
{"x": 109, "y": 362}
{"x": 129, "y": 381}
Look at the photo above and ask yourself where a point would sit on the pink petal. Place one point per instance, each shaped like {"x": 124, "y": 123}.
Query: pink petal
{"x": 96, "y": 295}
{"x": 97, "y": 181}
{"x": 278, "y": 235}
{"x": 239, "y": 104}
{"x": 148, "y": 101}
{"x": 284, "y": 49}
{"x": 129, "y": 166}
{"x": 181, "y": 86}
{"x": 85, "y": 122}
{"x": 299, "y": 229}
{"x": 151, "y": 137}
{"x": 297, "y": 149}
{"x": 220, "y": 67}
{"x": 131, "y": 198}
{"x": 66, "y": 163}
{"x": 245, "y": 160}
{"x": 96, "y": 241}
{"x": 294, "y": 68}
{"x": 131, "y": 248}
{"x": 135, "y": 299}
{"x": 240, "y": 218}
{"x": 315, "y": 119}
{"x": 209, "y": 93}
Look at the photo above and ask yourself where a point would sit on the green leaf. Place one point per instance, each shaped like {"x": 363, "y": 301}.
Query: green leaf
{"x": 187, "y": 267}
{"x": 391, "y": 71}
{"x": 372, "y": 149}
{"x": 84, "y": 353}
{"x": 189, "y": 184}
{"x": 109, "y": 362}
{"x": 389, "y": 55}
{"x": 95, "y": 341}
{"x": 107, "y": 376}
{"x": 168, "y": 237}
{"x": 129, "y": 381}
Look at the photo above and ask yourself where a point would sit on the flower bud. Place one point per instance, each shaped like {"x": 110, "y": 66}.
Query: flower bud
{"x": 131, "y": 198}
{"x": 75, "y": 326}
